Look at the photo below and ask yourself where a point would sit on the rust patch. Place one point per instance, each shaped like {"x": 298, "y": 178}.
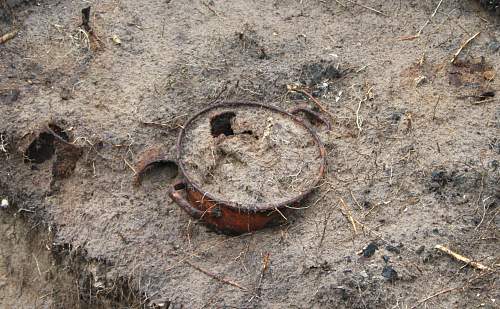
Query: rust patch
{"x": 418, "y": 72}
{"x": 470, "y": 72}
{"x": 473, "y": 76}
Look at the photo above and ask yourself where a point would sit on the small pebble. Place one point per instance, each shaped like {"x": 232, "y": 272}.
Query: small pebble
{"x": 4, "y": 204}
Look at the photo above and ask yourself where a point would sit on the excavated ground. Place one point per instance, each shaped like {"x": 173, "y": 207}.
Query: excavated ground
{"x": 413, "y": 154}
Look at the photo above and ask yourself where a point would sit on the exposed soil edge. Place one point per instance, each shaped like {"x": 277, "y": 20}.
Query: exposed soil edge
{"x": 94, "y": 291}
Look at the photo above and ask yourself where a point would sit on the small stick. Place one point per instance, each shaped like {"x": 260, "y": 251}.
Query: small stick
{"x": 484, "y": 101}
{"x": 371, "y": 231}
{"x": 325, "y": 224}
{"x": 463, "y": 46}
{"x": 354, "y": 198}
{"x": 348, "y": 215}
{"x": 368, "y": 8}
{"x": 210, "y": 9}
{"x": 316, "y": 101}
{"x": 341, "y": 4}
{"x": 462, "y": 258}
{"x": 282, "y": 215}
{"x": 437, "y": 8}
{"x": 8, "y": 36}
{"x": 3, "y": 144}
{"x": 359, "y": 120}
{"x": 37, "y": 266}
{"x": 171, "y": 124}
{"x": 265, "y": 267}
{"x": 435, "y": 106}
{"x": 216, "y": 277}
{"x": 160, "y": 125}
{"x": 130, "y": 165}
{"x": 433, "y": 295}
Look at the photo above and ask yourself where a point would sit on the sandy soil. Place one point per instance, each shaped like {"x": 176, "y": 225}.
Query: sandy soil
{"x": 413, "y": 153}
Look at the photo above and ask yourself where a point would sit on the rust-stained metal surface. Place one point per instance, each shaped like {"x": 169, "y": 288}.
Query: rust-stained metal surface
{"x": 227, "y": 216}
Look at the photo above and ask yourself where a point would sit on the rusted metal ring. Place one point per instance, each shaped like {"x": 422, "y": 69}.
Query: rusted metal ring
{"x": 250, "y": 208}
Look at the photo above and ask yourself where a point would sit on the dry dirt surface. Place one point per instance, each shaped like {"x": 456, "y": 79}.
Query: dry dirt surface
{"x": 411, "y": 91}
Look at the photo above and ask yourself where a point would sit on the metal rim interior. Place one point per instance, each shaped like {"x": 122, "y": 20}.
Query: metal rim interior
{"x": 264, "y": 206}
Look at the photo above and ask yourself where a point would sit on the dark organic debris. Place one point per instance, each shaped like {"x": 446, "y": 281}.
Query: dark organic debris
{"x": 9, "y": 96}
{"x": 49, "y": 141}
{"x": 94, "y": 41}
{"x": 473, "y": 76}
{"x": 494, "y": 145}
{"x": 315, "y": 74}
{"x": 393, "y": 249}
{"x": 66, "y": 157}
{"x": 65, "y": 93}
{"x": 221, "y": 124}
{"x": 41, "y": 149}
{"x": 439, "y": 179}
{"x": 420, "y": 250}
{"x": 86, "y": 19}
{"x": 369, "y": 250}
{"x": 485, "y": 95}
{"x": 389, "y": 273}
{"x": 396, "y": 116}
{"x": 491, "y": 5}
{"x": 249, "y": 41}
{"x": 494, "y": 46}
{"x": 494, "y": 164}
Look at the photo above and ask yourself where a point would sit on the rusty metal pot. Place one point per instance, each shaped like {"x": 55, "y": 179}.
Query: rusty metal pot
{"x": 225, "y": 215}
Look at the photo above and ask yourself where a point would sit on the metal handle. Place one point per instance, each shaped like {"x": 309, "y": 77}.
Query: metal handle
{"x": 312, "y": 113}
{"x": 149, "y": 158}
{"x": 175, "y": 194}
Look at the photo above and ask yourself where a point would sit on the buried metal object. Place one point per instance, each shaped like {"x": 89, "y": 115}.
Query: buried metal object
{"x": 226, "y": 124}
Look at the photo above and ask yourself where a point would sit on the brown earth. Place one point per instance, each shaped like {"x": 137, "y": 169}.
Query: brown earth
{"x": 413, "y": 154}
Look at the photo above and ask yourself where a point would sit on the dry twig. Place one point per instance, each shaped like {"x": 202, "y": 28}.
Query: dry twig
{"x": 347, "y": 213}
{"x": 210, "y": 8}
{"x": 216, "y": 277}
{"x": 3, "y": 144}
{"x": 434, "y": 295}
{"x": 463, "y": 46}
{"x": 325, "y": 223}
{"x": 8, "y": 36}
{"x": 316, "y": 101}
{"x": 265, "y": 267}
{"x": 368, "y": 8}
{"x": 412, "y": 37}
{"x": 462, "y": 258}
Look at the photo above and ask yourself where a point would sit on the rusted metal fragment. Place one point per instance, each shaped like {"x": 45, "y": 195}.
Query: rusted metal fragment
{"x": 227, "y": 216}
{"x": 151, "y": 157}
